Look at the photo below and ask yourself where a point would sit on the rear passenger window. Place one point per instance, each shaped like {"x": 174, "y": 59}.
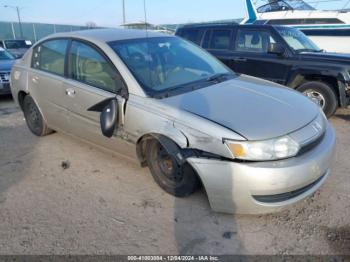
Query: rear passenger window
{"x": 220, "y": 39}
{"x": 89, "y": 66}
{"x": 49, "y": 56}
{"x": 194, "y": 36}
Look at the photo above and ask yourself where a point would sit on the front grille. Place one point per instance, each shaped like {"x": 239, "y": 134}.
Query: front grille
{"x": 286, "y": 196}
{"x": 4, "y": 77}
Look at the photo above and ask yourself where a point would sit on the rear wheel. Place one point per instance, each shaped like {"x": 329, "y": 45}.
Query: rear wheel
{"x": 34, "y": 119}
{"x": 175, "y": 179}
{"x": 322, "y": 94}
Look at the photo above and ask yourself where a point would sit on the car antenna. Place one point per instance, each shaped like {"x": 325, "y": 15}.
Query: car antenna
{"x": 147, "y": 39}
{"x": 145, "y": 14}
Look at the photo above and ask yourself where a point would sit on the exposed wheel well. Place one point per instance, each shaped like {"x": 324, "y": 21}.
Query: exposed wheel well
{"x": 170, "y": 145}
{"x": 329, "y": 80}
{"x": 21, "y": 96}
{"x": 141, "y": 146}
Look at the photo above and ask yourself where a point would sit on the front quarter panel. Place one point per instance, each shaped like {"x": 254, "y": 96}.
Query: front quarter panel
{"x": 142, "y": 119}
{"x": 146, "y": 116}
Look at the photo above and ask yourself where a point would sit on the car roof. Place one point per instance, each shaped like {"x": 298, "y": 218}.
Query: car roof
{"x": 110, "y": 35}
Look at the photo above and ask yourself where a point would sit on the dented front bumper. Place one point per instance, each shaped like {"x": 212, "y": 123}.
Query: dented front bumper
{"x": 265, "y": 187}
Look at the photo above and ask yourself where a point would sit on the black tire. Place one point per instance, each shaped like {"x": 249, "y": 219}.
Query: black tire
{"x": 320, "y": 91}
{"x": 34, "y": 119}
{"x": 177, "y": 180}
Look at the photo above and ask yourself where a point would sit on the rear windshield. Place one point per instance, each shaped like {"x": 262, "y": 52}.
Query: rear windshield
{"x": 16, "y": 44}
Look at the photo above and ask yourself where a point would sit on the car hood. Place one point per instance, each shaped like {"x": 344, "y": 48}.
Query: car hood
{"x": 253, "y": 108}
{"x": 6, "y": 65}
{"x": 327, "y": 57}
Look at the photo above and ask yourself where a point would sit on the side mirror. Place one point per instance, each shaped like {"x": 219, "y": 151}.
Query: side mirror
{"x": 108, "y": 117}
{"x": 277, "y": 49}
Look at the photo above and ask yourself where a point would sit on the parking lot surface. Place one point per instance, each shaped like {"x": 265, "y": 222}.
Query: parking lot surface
{"x": 59, "y": 195}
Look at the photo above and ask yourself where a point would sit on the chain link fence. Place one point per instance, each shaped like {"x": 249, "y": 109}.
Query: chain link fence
{"x": 33, "y": 31}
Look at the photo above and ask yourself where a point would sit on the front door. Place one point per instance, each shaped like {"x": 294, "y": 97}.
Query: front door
{"x": 252, "y": 57}
{"x": 219, "y": 43}
{"x": 92, "y": 79}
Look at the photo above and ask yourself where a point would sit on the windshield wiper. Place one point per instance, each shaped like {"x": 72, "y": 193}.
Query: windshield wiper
{"x": 174, "y": 90}
{"x": 217, "y": 77}
{"x": 310, "y": 50}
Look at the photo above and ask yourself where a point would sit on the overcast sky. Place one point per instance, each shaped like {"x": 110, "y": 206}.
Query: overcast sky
{"x": 109, "y": 12}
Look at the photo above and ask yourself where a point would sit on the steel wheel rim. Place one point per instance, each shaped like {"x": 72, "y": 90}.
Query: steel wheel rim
{"x": 33, "y": 114}
{"x": 316, "y": 97}
{"x": 168, "y": 166}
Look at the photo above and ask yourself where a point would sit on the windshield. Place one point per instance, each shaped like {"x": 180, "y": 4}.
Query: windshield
{"x": 275, "y": 6}
{"x": 4, "y": 55}
{"x": 297, "y": 40}
{"x": 16, "y": 44}
{"x": 299, "y": 5}
{"x": 168, "y": 63}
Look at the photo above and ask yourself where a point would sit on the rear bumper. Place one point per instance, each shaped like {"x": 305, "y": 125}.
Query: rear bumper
{"x": 5, "y": 89}
{"x": 265, "y": 187}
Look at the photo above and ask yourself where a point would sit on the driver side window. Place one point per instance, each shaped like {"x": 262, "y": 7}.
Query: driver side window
{"x": 89, "y": 66}
{"x": 253, "y": 41}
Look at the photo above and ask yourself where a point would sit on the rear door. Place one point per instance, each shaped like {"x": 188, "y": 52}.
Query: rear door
{"x": 45, "y": 81}
{"x": 92, "y": 79}
{"x": 252, "y": 57}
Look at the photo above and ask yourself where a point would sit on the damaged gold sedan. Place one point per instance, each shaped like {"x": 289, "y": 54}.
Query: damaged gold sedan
{"x": 255, "y": 147}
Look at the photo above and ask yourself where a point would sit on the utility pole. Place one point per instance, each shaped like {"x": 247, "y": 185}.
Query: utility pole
{"x": 124, "y": 18}
{"x": 145, "y": 13}
{"x": 18, "y": 16}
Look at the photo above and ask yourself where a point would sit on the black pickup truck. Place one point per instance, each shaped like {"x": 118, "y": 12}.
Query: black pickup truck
{"x": 280, "y": 54}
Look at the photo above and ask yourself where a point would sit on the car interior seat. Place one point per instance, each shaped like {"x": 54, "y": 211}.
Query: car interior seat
{"x": 93, "y": 72}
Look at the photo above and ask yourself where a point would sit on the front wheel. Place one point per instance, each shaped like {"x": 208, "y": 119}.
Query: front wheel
{"x": 322, "y": 94}
{"x": 175, "y": 179}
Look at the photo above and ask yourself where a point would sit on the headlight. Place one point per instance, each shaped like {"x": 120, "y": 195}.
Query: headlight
{"x": 274, "y": 149}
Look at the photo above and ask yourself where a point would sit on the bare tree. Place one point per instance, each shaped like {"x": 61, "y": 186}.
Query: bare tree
{"x": 91, "y": 24}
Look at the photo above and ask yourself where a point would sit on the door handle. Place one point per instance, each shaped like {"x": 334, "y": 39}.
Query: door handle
{"x": 240, "y": 59}
{"x": 70, "y": 92}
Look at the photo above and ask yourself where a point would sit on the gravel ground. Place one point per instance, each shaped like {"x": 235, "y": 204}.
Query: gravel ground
{"x": 62, "y": 196}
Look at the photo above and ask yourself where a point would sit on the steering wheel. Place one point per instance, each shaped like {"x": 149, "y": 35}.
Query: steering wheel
{"x": 137, "y": 58}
